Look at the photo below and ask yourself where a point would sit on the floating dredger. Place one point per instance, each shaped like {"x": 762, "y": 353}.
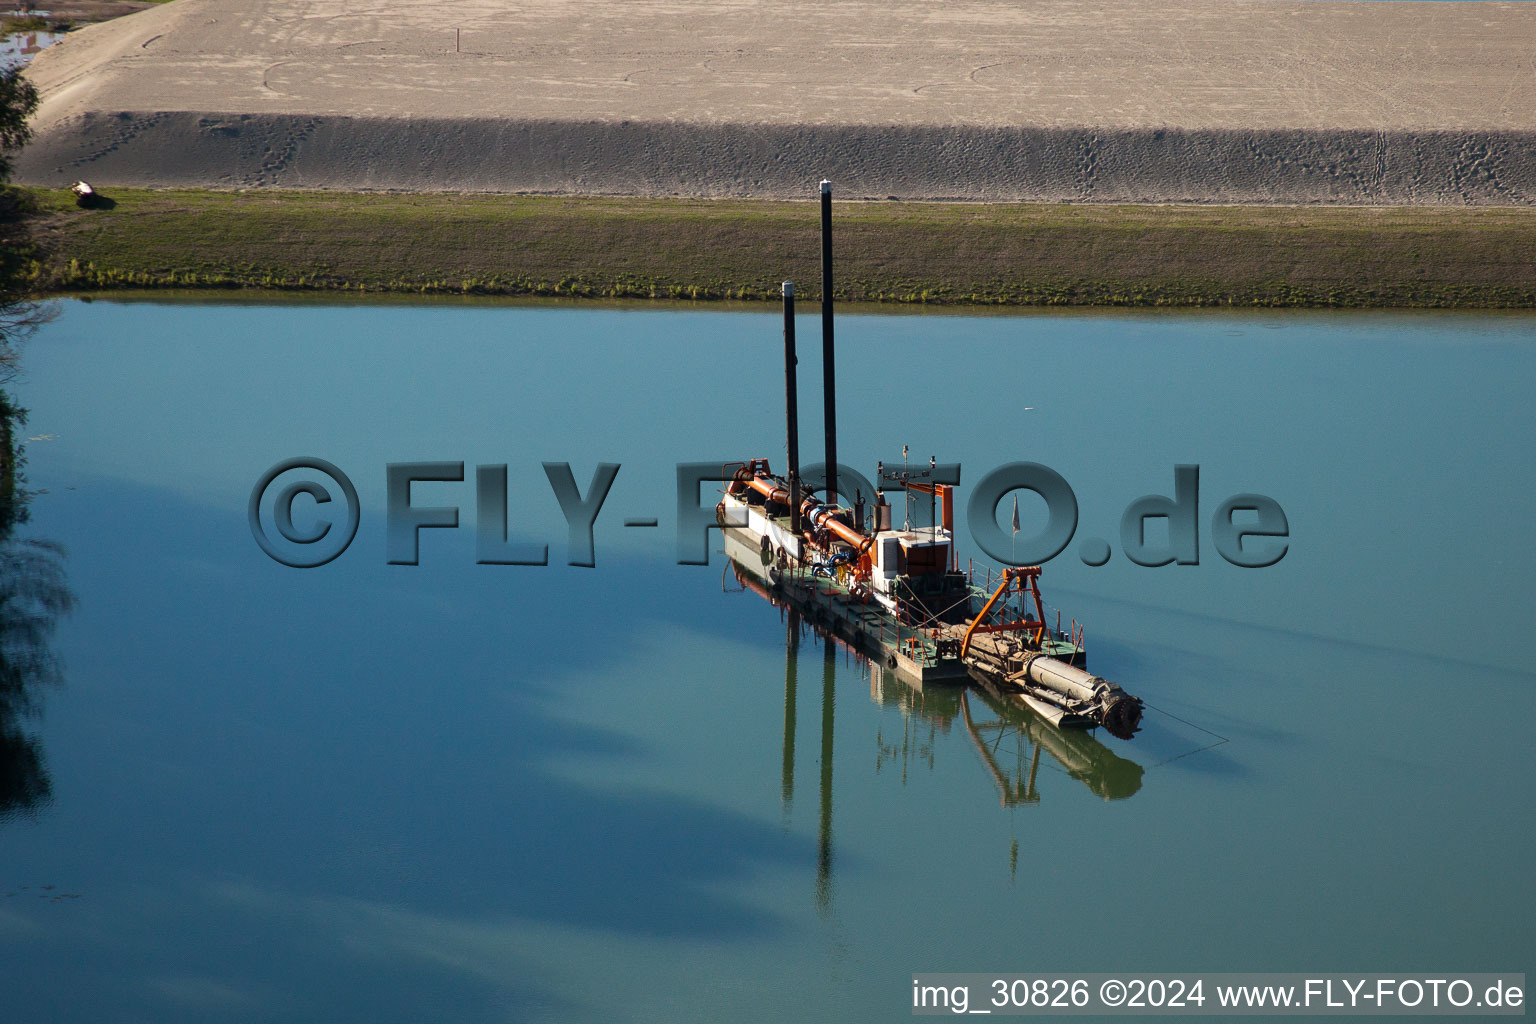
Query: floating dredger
{"x": 899, "y": 594}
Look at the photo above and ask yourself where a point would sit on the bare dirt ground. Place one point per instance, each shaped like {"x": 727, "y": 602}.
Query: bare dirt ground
{"x": 1237, "y": 101}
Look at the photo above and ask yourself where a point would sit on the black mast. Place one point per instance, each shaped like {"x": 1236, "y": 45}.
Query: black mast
{"x": 828, "y": 369}
{"x": 791, "y": 408}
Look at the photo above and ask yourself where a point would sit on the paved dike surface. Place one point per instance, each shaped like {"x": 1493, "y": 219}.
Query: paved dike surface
{"x": 1226, "y": 101}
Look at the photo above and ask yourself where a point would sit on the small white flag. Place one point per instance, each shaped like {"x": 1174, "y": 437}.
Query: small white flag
{"x": 1015, "y": 515}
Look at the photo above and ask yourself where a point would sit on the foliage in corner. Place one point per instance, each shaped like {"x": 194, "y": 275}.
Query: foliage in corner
{"x": 18, "y": 102}
{"x": 18, "y": 316}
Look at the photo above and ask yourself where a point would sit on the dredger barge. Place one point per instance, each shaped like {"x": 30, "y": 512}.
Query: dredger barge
{"x": 899, "y": 594}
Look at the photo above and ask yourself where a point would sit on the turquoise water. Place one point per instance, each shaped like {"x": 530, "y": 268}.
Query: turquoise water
{"x": 454, "y": 791}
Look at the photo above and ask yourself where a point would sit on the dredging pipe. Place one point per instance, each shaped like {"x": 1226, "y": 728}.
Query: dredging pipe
{"x": 1006, "y": 664}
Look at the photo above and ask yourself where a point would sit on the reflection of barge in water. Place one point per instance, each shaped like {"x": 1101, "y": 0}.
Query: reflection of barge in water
{"x": 899, "y": 595}
{"x": 1010, "y": 738}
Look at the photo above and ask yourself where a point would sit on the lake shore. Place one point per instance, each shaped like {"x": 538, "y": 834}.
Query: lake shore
{"x": 894, "y": 252}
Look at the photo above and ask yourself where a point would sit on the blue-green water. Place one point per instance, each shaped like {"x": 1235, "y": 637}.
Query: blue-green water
{"x": 370, "y": 792}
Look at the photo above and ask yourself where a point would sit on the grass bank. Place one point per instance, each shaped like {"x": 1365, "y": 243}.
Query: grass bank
{"x": 984, "y": 254}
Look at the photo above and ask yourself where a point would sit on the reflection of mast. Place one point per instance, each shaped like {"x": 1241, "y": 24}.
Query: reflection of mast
{"x": 1083, "y": 757}
{"x": 824, "y": 830}
{"x": 828, "y": 709}
{"x": 1013, "y": 793}
{"x": 790, "y": 667}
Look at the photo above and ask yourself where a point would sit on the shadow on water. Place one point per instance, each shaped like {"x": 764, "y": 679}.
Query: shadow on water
{"x": 416, "y": 793}
{"x": 33, "y": 595}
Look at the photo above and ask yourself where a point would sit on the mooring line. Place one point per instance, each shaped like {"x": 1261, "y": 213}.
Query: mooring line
{"x": 1187, "y": 753}
{"x": 1220, "y": 739}
{"x": 1192, "y": 725}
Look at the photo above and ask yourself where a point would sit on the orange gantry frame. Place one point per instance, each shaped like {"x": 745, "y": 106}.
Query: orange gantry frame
{"x": 1025, "y": 579}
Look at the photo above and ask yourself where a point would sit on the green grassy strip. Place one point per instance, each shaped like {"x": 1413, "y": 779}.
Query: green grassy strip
{"x": 945, "y": 253}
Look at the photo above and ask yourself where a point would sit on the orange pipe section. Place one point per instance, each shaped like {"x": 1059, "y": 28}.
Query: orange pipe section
{"x": 849, "y": 534}
{"x": 765, "y": 487}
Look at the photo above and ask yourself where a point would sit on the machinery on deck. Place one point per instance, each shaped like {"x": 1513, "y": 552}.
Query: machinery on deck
{"x": 1010, "y": 655}
{"x": 900, "y": 594}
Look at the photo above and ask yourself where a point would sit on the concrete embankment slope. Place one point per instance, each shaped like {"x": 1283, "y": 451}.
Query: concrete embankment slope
{"x": 1231, "y": 101}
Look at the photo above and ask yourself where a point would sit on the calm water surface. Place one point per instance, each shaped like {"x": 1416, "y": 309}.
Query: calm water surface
{"x": 374, "y": 793}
